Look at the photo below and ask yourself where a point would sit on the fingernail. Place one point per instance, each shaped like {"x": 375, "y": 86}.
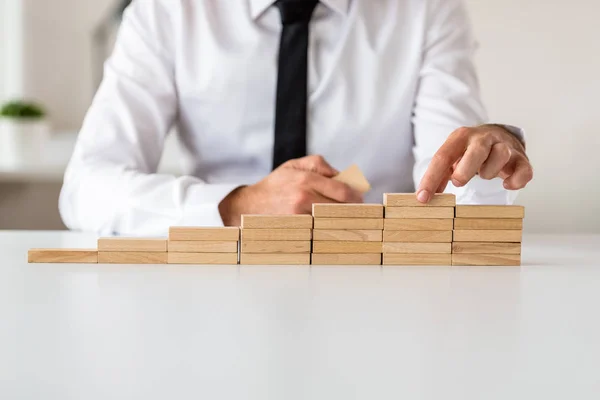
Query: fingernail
{"x": 423, "y": 196}
{"x": 456, "y": 183}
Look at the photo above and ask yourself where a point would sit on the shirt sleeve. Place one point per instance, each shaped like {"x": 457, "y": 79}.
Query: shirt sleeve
{"x": 111, "y": 184}
{"x": 449, "y": 97}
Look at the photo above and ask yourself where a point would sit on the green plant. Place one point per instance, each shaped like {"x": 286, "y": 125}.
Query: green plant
{"x": 22, "y": 110}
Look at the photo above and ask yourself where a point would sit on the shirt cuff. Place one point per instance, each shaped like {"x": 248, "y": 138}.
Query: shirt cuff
{"x": 201, "y": 206}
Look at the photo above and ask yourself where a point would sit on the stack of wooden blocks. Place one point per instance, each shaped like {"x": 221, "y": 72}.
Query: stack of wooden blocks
{"x": 415, "y": 233}
{"x": 188, "y": 245}
{"x": 347, "y": 234}
{"x": 488, "y": 235}
{"x": 132, "y": 251}
{"x": 276, "y": 240}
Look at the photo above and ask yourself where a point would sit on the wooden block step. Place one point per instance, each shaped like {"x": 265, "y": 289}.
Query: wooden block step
{"x": 62, "y": 256}
{"x": 461, "y": 224}
{"x": 276, "y": 247}
{"x": 276, "y": 234}
{"x": 418, "y": 236}
{"x": 131, "y": 257}
{"x": 485, "y": 248}
{"x": 226, "y": 234}
{"x": 486, "y": 259}
{"x": 354, "y": 178}
{"x": 342, "y": 247}
{"x": 347, "y": 211}
{"x": 349, "y": 223}
{"x": 277, "y": 221}
{"x": 203, "y": 247}
{"x": 417, "y": 248}
{"x": 490, "y": 212}
{"x": 203, "y": 258}
{"x": 418, "y": 224}
{"x": 488, "y": 236}
{"x": 410, "y": 200}
{"x": 346, "y": 259}
{"x": 348, "y": 235}
{"x": 420, "y": 212}
{"x": 132, "y": 244}
{"x": 417, "y": 259}
{"x": 274, "y": 259}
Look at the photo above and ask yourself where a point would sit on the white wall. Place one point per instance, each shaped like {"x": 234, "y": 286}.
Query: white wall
{"x": 11, "y": 48}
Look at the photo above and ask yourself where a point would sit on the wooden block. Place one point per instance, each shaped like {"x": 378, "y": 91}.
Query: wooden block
{"x": 184, "y": 233}
{"x": 348, "y": 235}
{"x": 418, "y": 236}
{"x": 349, "y": 223}
{"x": 347, "y": 210}
{"x": 485, "y": 248}
{"x": 420, "y": 212}
{"x": 276, "y": 234}
{"x": 410, "y": 200}
{"x": 203, "y": 258}
{"x": 490, "y": 212}
{"x": 62, "y": 256}
{"x": 417, "y": 259}
{"x": 486, "y": 259}
{"x": 354, "y": 178}
{"x": 202, "y": 247}
{"x": 488, "y": 236}
{"x": 461, "y": 224}
{"x": 274, "y": 259}
{"x": 416, "y": 224}
{"x": 346, "y": 259}
{"x": 277, "y": 221}
{"x": 347, "y": 247}
{"x": 417, "y": 248}
{"x": 131, "y": 257}
{"x": 119, "y": 245}
{"x": 276, "y": 247}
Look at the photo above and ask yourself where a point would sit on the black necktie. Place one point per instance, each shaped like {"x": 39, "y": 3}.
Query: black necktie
{"x": 292, "y": 80}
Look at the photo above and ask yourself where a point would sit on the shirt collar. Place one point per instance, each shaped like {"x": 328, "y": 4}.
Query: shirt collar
{"x": 257, "y": 7}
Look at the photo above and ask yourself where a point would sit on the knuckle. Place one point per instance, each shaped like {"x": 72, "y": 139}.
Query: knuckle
{"x": 461, "y": 178}
{"x": 443, "y": 158}
{"x": 528, "y": 173}
{"x": 463, "y": 131}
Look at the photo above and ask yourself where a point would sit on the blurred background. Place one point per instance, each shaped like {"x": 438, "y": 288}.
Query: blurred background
{"x": 538, "y": 63}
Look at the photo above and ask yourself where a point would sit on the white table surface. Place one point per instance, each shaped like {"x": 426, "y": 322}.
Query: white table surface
{"x": 191, "y": 332}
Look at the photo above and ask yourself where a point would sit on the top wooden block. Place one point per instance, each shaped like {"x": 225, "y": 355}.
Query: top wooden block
{"x": 191, "y": 234}
{"x": 119, "y": 244}
{"x": 347, "y": 210}
{"x": 354, "y": 178}
{"x": 277, "y": 221}
{"x": 410, "y": 200}
{"x": 490, "y": 212}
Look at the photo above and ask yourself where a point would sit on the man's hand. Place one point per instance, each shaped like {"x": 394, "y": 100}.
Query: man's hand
{"x": 290, "y": 189}
{"x": 487, "y": 150}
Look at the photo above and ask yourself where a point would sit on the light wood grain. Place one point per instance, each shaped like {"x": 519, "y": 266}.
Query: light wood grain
{"x": 203, "y": 258}
{"x": 274, "y": 259}
{"x": 275, "y": 247}
{"x": 346, "y": 259}
{"x": 418, "y": 236}
{"x": 461, "y": 224}
{"x": 340, "y": 247}
{"x": 488, "y": 236}
{"x": 354, "y": 178}
{"x": 226, "y": 234}
{"x": 417, "y": 248}
{"x": 420, "y": 212}
{"x": 348, "y": 235}
{"x": 203, "y": 247}
{"x": 349, "y": 223}
{"x": 490, "y": 212}
{"x": 486, "y": 259}
{"x": 277, "y": 221}
{"x": 418, "y": 224}
{"x": 347, "y": 211}
{"x": 62, "y": 256}
{"x": 131, "y": 257}
{"x": 276, "y": 234}
{"x": 410, "y": 200}
{"x": 417, "y": 259}
{"x": 132, "y": 244}
{"x": 485, "y": 248}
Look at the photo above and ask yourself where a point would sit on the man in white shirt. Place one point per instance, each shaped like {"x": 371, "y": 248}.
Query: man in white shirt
{"x": 390, "y": 86}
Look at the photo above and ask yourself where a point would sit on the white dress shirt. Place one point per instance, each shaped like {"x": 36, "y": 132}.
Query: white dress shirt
{"x": 389, "y": 80}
